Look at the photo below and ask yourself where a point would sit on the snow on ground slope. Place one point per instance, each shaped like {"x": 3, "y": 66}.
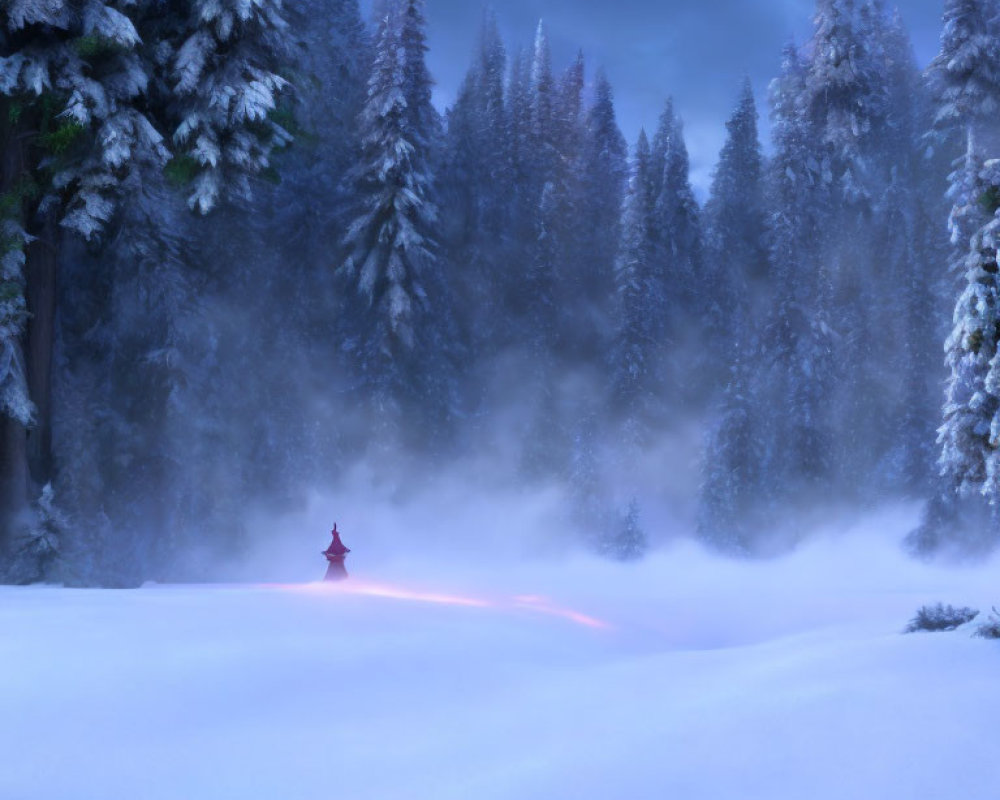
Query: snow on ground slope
{"x": 682, "y": 677}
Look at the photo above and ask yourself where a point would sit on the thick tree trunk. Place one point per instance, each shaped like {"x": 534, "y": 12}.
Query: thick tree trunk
{"x": 42, "y": 268}
{"x": 13, "y": 444}
{"x": 13, "y": 474}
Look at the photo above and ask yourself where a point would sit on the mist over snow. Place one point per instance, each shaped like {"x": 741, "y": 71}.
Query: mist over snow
{"x": 476, "y": 512}
{"x": 428, "y": 678}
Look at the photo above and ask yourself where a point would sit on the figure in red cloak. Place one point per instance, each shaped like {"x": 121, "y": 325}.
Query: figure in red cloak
{"x": 336, "y": 554}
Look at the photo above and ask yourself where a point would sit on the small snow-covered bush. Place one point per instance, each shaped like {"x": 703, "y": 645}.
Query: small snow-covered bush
{"x": 940, "y": 618}
{"x": 991, "y": 628}
{"x": 35, "y": 542}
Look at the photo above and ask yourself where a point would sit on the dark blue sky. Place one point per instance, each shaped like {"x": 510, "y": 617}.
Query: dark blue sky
{"x": 696, "y": 50}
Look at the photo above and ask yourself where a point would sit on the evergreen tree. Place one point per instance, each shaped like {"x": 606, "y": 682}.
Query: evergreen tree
{"x": 542, "y": 104}
{"x": 965, "y": 78}
{"x": 734, "y": 490}
{"x": 798, "y": 341}
{"x": 733, "y": 494}
{"x": 424, "y": 121}
{"x": 680, "y": 219}
{"x": 604, "y": 172}
{"x": 576, "y": 327}
{"x": 396, "y": 314}
{"x": 970, "y": 435}
{"x": 477, "y": 189}
{"x": 845, "y": 97}
{"x": 636, "y": 351}
{"x": 736, "y": 225}
{"x": 626, "y": 542}
{"x": 332, "y": 58}
{"x": 90, "y": 101}
{"x": 568, "y": 116}
{"x": 554, "y": 137}
{"x": 909, "y": 245}
{"x": 676, "y": 237}
{"x": 588, "y": 503}
{"x": 524, "y": 176}
{"x": 966, "y": 72}
{"x": 848, "y": 105}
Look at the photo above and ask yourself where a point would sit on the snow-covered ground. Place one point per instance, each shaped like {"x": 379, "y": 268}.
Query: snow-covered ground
{"x": 682, "y": 677}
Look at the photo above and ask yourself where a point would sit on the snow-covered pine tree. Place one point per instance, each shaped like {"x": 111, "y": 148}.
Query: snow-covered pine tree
{"x": 529, "y": 129}
{"x": 54, "y": 112}
{"x": 680, "y": 217}
{"x": 966, "y": 71}
{"x": 567, "y": 111}
{"x": 92, "y": 94}
{"x": 676, "y": 235}
{"x": 494, "y": 129}
{"x": 547, "y": 434}
{"x": 225, "y": 90}
{"x": 626, "y": 542}
{"x": 845, "y": 96}
{"x": 576, "y": 328}
{"x": 424, "y": 120}
{"x": 847, "y": 102}
{"x": 477, "y": 191}
{"x": 148, "y": 461}
{"x": 909, "y": 244}
{"x": 331, "y": 64}
{"x": 970, "y": 434}
{"x": 733, "y": 494}
{"x": 541, "y": 283}
{"x": 736, "y": 217}
{"x": 549, "y": 263}
{"x": 542, "y": 94}
{"x": 522, "y": 153}
{"x": 602, "y": 179}
{"x": 798, "y": 342}
{"x": 636, "y": 352}
{"x": 590, "y": 510}
{"x": 965, "y": 79}
{"x": 397, "y": 316}
{"x": 38, "y": 543}
{"x": 664, "y": 320}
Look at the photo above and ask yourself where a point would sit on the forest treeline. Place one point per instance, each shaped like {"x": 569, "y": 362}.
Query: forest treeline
{"x": 242, "y": 251}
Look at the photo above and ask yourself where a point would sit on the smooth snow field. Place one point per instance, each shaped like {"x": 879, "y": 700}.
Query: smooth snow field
{"x": 681, "y": 677}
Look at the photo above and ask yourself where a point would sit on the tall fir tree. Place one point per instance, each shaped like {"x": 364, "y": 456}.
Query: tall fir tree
{"x": 798, "y": 343}
{"x": 477, "y": 188}
{"x": 736, "y": 217}
{"x": 676, "y": 235}
{"x": 733, "y": 494}
{"x": 965, "y": 80}
{"x": 909, "y": 246}
{"x": 396, "y": 317}
{"x": 91, "y": 100}
{"x": 636, "y": 352}
{"x": 603, "y": 175}
{"x": 970, "y": 434}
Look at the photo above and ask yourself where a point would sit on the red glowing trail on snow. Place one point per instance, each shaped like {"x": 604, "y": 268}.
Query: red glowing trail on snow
{"x": 400, "y": 593}
{"x": 532, "y": 603}
{"x": 543, "y": 606}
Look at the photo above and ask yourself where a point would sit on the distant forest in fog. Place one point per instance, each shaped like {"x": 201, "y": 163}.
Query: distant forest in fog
{"x": 242, "y": 252}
